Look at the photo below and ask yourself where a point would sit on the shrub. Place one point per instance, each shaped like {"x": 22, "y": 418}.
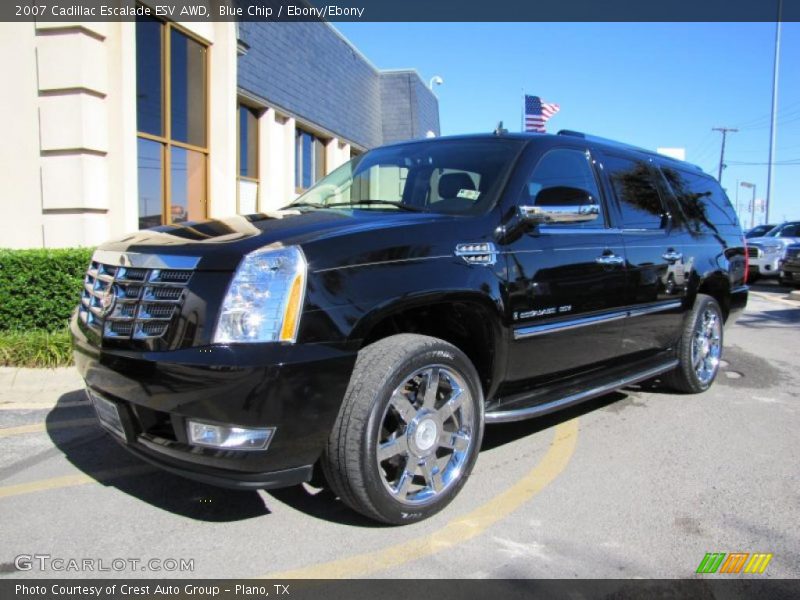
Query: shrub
{"x": 36, "y": 348}
{"x": 40, "y": 288}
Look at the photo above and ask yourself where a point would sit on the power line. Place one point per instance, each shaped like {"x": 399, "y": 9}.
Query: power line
{"x": 762, "y": 120}
{"x": 701, "y": 150}
{"x": 779, "y": 163}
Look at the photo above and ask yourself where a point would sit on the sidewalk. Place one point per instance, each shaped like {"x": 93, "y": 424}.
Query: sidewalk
{"x": 36, "y": 388}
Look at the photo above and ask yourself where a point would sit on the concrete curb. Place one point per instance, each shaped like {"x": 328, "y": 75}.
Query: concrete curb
{"x": 37, "y": 386}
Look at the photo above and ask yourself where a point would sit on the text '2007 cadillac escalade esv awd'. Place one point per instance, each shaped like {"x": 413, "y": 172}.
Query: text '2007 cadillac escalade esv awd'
{"x": 424, "y": 289}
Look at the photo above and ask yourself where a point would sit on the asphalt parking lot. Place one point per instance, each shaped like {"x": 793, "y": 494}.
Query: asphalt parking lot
{"x": 639, "y": 483}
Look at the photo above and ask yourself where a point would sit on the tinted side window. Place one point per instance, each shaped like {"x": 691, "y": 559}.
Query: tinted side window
{"x": 636, "y": 190}
{"x": 563, "y": 177}
{"x": 702, "y": 201}
{"x": 791, "y": 230}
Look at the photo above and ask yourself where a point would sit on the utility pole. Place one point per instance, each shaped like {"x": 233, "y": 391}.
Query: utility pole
{"x": 772, "y": 123}
{"x": 724, "y": 131}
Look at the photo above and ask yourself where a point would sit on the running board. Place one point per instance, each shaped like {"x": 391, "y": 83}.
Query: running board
{"x": 520, "y": 414}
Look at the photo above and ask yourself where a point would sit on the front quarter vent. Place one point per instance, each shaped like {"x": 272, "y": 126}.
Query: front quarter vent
{"x": 481, "y": 253}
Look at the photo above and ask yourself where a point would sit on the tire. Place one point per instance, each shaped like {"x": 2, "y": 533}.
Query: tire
{"x": 699, "y": 348}
{"x": 428, "y": 445}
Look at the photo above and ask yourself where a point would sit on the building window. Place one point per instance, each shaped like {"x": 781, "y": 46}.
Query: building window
{"x": 309, "y": 163}
{"x": 248, "y": 159}
{"x": 172, "y": 123}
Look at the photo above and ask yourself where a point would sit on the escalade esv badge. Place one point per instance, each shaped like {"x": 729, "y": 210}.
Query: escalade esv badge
{"x": 362, "y": 337}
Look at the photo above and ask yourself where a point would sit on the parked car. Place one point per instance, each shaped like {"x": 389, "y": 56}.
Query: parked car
{"x": 758, "y": 231}
{"x": 766, "y": 252}
{"x": 790, "y": 266}
{"x": 415, "y": 294}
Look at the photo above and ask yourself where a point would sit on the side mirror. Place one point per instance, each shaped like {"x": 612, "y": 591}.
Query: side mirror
{"x": 561, "y": 204}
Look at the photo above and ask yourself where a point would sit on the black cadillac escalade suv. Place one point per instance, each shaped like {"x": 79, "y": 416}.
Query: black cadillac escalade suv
{"x": 373, "y": 326}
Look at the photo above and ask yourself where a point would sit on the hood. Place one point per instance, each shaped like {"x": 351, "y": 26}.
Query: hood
{"x": 767, "y": 242}
{"x": 221, "y": 243}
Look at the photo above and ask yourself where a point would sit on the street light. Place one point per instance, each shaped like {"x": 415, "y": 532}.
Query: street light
{"x": 747, "y": 184}
{"x": 435, "y": 80}
{"x": 773, "y": 121}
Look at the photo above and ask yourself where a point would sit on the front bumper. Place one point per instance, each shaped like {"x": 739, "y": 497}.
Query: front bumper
{"x": 296, "y": 388}
{"x": 766, "y": 265}
{"x": 790, "y": 271}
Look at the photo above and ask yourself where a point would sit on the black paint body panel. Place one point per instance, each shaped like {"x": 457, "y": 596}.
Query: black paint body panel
{"x": 366, "y": 267}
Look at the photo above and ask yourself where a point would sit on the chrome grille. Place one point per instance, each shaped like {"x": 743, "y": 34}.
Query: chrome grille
{"x": 792, "y": 253}
{"x": 753, "y": 251}
{"x": 123, "y": 302}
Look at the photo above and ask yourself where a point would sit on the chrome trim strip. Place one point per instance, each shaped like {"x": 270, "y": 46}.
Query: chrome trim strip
{"x": 579, "y": 213}
{"x": 542, "y": 409}
{"x": 145, "y": 261}
{"x": 382, "y": 262}
{"x": 510, "y": 252}
{"x": 545, "y": 228}
{"x": 534, "y": 330}
{"x": 646, "y": 310}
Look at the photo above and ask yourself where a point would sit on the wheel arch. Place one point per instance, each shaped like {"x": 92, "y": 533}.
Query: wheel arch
{"x": 470, "y": 321}
{"x": 717, "y": 285}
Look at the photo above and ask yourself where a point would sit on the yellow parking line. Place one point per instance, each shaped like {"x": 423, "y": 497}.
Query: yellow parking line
{"x": 459, "y": 530}
{"x": 772, "y": 298}
{"x": 39, "y": 427}
{"x": 71, "y": 480}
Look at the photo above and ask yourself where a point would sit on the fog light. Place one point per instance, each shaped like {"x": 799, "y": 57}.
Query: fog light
{"x": 228, "y": 437}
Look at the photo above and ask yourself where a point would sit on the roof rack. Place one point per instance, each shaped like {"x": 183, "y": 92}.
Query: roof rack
{"x": 602, "y": 140}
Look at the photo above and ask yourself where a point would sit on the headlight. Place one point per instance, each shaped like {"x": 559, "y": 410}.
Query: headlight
{"x": 771, "y": 249}
{"x": 264, "y": 298}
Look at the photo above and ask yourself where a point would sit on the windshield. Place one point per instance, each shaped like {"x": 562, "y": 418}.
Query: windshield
{"x": 785, "y": 230}
{"x": 445, "y": 176}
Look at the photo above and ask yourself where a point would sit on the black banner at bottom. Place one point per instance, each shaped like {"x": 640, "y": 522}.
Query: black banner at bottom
{"x": 398, "y": 589}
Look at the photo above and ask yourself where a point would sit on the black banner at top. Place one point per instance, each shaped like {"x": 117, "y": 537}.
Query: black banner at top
{"x": 403, "y": 10}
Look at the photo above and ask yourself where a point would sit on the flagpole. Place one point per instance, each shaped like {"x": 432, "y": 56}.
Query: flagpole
{"x": 522, "y": 113}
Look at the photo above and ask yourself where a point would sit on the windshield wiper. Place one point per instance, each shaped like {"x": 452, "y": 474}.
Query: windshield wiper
{"x": 368, "y": 202}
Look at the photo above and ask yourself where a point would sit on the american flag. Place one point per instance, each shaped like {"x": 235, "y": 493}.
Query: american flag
{"x": 537, "y": 113}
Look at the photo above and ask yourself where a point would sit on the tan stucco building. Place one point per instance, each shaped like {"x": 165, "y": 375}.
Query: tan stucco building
{"x": 111, "y": 127}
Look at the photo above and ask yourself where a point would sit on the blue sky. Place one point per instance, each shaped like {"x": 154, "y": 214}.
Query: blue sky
{"x": 648, "y": 84}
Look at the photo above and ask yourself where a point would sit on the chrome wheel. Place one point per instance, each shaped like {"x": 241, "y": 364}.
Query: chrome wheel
{"x": 707, "y": 346}
{"x": 426, "y": 435}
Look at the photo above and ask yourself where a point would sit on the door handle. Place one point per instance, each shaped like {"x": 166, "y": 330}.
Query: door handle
{"x": 609, "y": 259}
{"x": 672, "y": 255}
